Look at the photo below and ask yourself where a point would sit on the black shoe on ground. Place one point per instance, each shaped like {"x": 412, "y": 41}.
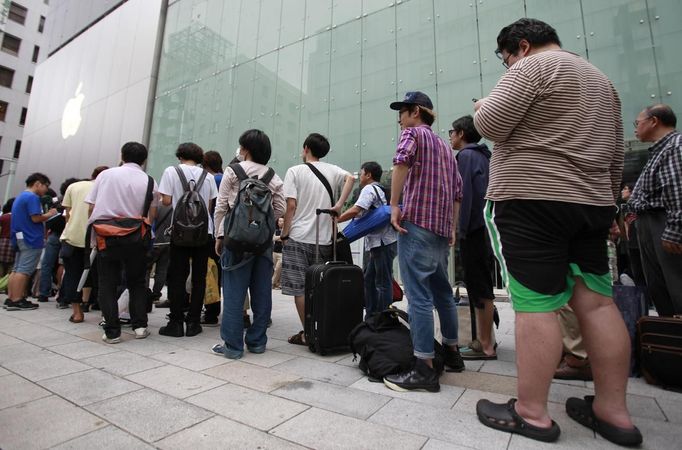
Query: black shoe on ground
{"x": 61, "y": 305}
{"x": 42, "y": 299}
{"x": 20, "y": 305}
{"x": 420, "y": 377}
{"x": 209, "y": 321}
{"x": 452, "y": 359}
{"x": 247, "y": 321}
{"x": 192, "y": 329}
{"x": 85, "y": 307}
{"x": 163, "y": 304}
{"x": 174, "y": 328}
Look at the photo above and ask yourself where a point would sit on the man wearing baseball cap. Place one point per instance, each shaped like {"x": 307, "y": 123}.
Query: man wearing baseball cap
{"x": 425, "y": 172}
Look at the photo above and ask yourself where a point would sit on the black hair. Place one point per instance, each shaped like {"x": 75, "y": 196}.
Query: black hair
{"x": 535, "y": 31}
{"x": 257, "y": 143}
{"x": 65, "y": 185}
{"x": 37, "y": 177}
{"x": 97, "y": 170}
{"x": 134, "y": 152}
{"x": 425, "y": 115}
{"x": 213, "y": 161}
{"x": 663, "y": 113}
{"x": 7, "y": 207}
{"x": 466, "y": 125}
{"x": 318, "y": 145}
{"x": 189, "y": 151}
{"x": 373, "y": 168}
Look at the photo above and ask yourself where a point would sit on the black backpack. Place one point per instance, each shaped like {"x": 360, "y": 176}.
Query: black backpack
{"x": 190, "y": 217}
{"x": 384, "y": 344}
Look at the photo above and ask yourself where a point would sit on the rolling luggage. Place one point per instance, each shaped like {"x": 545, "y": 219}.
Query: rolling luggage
{"x": 660, "y": 350}
{"x": 334, "y": 300}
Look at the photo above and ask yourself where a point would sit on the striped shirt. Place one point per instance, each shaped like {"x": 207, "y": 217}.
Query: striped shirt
{"x": 433, "y": 182}
{"x": 556, "y": 123}
{"x": 659, "y": 187}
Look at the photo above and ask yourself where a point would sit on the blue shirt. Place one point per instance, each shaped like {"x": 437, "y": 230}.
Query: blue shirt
{"x": 27, "y": 204}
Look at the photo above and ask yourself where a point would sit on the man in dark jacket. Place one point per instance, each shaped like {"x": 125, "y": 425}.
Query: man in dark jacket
{"x": 474, "y": 161}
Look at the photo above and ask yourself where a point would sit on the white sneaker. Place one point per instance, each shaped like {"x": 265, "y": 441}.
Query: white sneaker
{"x": 141, "y": 333}
{"x": 108, "y": 340}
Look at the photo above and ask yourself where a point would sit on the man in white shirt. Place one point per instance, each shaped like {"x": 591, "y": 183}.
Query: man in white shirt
{"x": 381, "y": 246}
{"x": 171, "y": 189}
{"x": 304, "y": 193}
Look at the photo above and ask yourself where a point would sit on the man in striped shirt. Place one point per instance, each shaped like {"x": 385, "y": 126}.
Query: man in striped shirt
{"x": 554, "y": 178}
{"x": 425, "y": 166}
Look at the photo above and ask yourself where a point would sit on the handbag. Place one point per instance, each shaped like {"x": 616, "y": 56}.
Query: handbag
{"x": 212, "y": 294}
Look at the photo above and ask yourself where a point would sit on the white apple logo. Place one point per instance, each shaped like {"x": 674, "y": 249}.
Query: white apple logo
{"x": 71, "y": 118}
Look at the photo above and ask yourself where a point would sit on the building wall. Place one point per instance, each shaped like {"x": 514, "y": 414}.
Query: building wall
{"x": 10, "y": 130}
{"x": 291, "y": 67}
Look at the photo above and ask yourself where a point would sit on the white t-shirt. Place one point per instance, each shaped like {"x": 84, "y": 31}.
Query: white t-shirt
{"x": 170, "y": 185}
{"x": 373, "y": 195}
{"x": 301, "y": 184}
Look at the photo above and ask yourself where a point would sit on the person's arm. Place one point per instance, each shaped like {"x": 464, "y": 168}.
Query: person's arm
{"x": 222, "y": 207}
{"x": 670, "y": 169}
{"x": 350, "y": 213}
{"x": 279, "y": 204}
{"x": 455, "y": 218}
{"x": 39, "y": 218}
{"x": 67, "y": 214}
{"x": 617, "y": 163}
{"x": 288, "y": 217}
{"x": 166, "y": 200}
{"x": 348, "y": 184}
{"x": 398, "y": 178}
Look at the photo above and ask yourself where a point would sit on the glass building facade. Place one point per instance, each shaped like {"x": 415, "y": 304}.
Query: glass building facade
{"x": 291, "y": 67}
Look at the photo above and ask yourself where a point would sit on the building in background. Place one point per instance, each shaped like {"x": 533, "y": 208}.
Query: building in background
{"x": 22, "y": 47}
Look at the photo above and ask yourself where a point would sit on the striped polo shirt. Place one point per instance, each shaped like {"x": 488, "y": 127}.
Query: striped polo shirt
{"x": 556, "y": 123}
{"x": 433, "y": 183}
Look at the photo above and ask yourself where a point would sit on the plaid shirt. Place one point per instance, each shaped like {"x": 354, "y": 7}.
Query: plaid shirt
{"x": 433, "y": 182}
{"x": 660, "y": 185}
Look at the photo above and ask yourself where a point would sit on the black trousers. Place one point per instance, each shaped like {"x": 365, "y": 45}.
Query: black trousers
{"x": 178, "y": 271}
{"x": 133, "y": 263}
{"x": 74, "y": 262}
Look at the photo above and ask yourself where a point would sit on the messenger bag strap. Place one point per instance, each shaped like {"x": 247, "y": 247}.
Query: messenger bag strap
{"x": 324, "y": 181}
{"x": 149, "y": 197}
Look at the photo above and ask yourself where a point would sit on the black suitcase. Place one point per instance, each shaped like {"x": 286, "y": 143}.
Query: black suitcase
{"x": 334, "y": 301}
{"x": 660, "y": 351}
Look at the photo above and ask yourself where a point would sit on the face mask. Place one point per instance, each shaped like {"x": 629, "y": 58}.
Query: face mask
{"x": 238, "y": 154}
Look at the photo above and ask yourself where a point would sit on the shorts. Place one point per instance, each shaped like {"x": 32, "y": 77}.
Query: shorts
{"x": 542, "y": 246}
{"x": 296, "y": 258}
{"x": 26, "y": 259}
{"x": 477, "y": 259}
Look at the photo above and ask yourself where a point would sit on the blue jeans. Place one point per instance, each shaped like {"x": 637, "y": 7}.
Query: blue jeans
{"x": 256, "y": 277}
{"x": 49, "y": 262}
{"x": 423, "y": 258}
{"x": 379, "y": 278}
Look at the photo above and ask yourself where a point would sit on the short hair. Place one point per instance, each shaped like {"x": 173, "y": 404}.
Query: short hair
{"x": 426, "y": 115}
{"x": 65, "y": 185}
{"x": 97, "y": 170}
{"x": 663, "y": 113}
{"x": 373, "y": 168}
{"x": 466, "y": 125}
{"x": 213, "y": 161}
{"x": 7, "y": 207}
{"x": 536, "y": 32}
{"x": 134, "y": 152}
{"x": 257, "y": 143}
{"x": 35, "y": 178}
{"x": 318, "y": 145}
{"x": 189, "y": 151}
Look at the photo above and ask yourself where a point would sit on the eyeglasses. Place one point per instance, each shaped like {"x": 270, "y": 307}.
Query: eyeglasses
{"x": 637, "y": 121}
{"x": 505, "y": 61}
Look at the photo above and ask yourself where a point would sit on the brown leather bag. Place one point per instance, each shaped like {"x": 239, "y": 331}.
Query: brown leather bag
{"x": 660, "y": 350}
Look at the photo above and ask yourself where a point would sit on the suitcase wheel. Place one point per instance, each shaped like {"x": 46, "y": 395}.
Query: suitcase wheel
{"x": 312, "y": 348}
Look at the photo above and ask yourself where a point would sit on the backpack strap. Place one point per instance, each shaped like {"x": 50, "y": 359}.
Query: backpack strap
{"x": 269, "y": 175}
{"x": 200, "y": 182}
{"x": 324, "y": 181}
{"x": 149, "y": 197}
{"x": 183, "y": 179}
{"x": 239, "y": 171}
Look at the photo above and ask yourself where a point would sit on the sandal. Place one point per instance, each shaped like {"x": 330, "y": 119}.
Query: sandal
{"x": 503, "y": 416}
{"x": 474, "y": 352}
{"x": 581, "y": 411}
{"x": 71, "y": 319}
{"x": 297, "y": 339}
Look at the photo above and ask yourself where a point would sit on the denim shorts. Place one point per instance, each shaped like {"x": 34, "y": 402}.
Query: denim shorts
{"x": 27, "y": 258}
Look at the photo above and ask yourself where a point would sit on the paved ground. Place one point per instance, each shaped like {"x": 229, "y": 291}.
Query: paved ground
{"x": 61, "y": 387}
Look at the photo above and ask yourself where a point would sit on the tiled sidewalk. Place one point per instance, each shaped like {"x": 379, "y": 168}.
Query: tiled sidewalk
{"x": 62, "y": 387}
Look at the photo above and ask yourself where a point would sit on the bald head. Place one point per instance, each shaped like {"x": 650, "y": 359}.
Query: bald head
{"x": 655, "y": 122}
{"x": 663, "y": 113}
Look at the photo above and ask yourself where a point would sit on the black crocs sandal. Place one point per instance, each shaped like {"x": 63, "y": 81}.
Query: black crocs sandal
{"x": 503, "y": 417}
{"x": 581, "y": 411}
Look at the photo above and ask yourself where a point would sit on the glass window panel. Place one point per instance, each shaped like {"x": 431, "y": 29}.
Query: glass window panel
{"x": 166, "y": 125}
{"x": 242, "y": 97}
{"x": 371, "y": 6}
{"x": 346, "y": 10}
{"x": 566, "y": 18}
{"x": 318, "y": 16}
{"x": 285, "y": 139}
{"x": 229, "y": 32}
{"x": 416, "y": 47}
{"x": 268, "y": 25}
{"x": 248, "y": 30}
{"x": 264, "y": 93}
{"x": 292, "y": 25}
{"x": 315, "y": 85}
{"x": 667, "y": 31}
{"x": 221, "y": 106}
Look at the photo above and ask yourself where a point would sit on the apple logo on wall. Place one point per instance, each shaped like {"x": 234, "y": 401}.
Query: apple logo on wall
{"x": 71, "y": 117}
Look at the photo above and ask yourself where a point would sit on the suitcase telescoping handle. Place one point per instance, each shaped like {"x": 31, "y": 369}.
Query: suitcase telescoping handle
{"x": 332, "y": 213}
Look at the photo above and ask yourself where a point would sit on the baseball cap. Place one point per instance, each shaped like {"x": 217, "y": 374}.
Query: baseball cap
{"x": 413, "y": 98}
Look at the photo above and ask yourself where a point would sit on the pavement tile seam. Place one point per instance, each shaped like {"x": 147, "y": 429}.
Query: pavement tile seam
{"x": 180, "y": 431}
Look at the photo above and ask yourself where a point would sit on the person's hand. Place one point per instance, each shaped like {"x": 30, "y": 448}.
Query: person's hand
{"x": 672, "y": 247}
{"x": 336, "y": 210}
{"x": 218, "y": 247}
{"x": 453, "y": 239}
{"x": 52, "y": 212}
{"x": 396, "y": 215}
{"x": 479, "y": 103}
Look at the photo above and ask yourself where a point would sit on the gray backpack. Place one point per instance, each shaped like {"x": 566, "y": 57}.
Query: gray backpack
{"x": 250, "y": 225}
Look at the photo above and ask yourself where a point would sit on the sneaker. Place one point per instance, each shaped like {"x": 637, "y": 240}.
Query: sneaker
{"x": 420, "y": 377}
{"x": 7, "y": 303}
{"x": 108, "y": 340}
{"x": 452, "y": 359}
{"x": 20, "y": 305}
{"x": 141, "y": 333}
{"x": 209, "y": 321}
{"x": 163, "y": 304}
{"x": 227, "y": 352}
{"x": 257, "y": 349}
{"x": 192, "y": 329}
{"x": 174, "y": 328}
{"x": 42, "y": 299}
{"x": 247, "y": 321}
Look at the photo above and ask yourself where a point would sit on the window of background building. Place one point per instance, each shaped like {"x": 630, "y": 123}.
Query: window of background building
{"x": 22, "y": 119}
{"x": 29, "y": 84}
{"x": 3, "y": 110}
{"x": 17, "y": 13}
{"x": 10, "y": 44}
{"x": 41, "y": 24}
{"x": 6, "y": 76}
{"x": 36, "y": 51}
{"x": 2, "y": 162}
{"x": 17, "y": 149}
